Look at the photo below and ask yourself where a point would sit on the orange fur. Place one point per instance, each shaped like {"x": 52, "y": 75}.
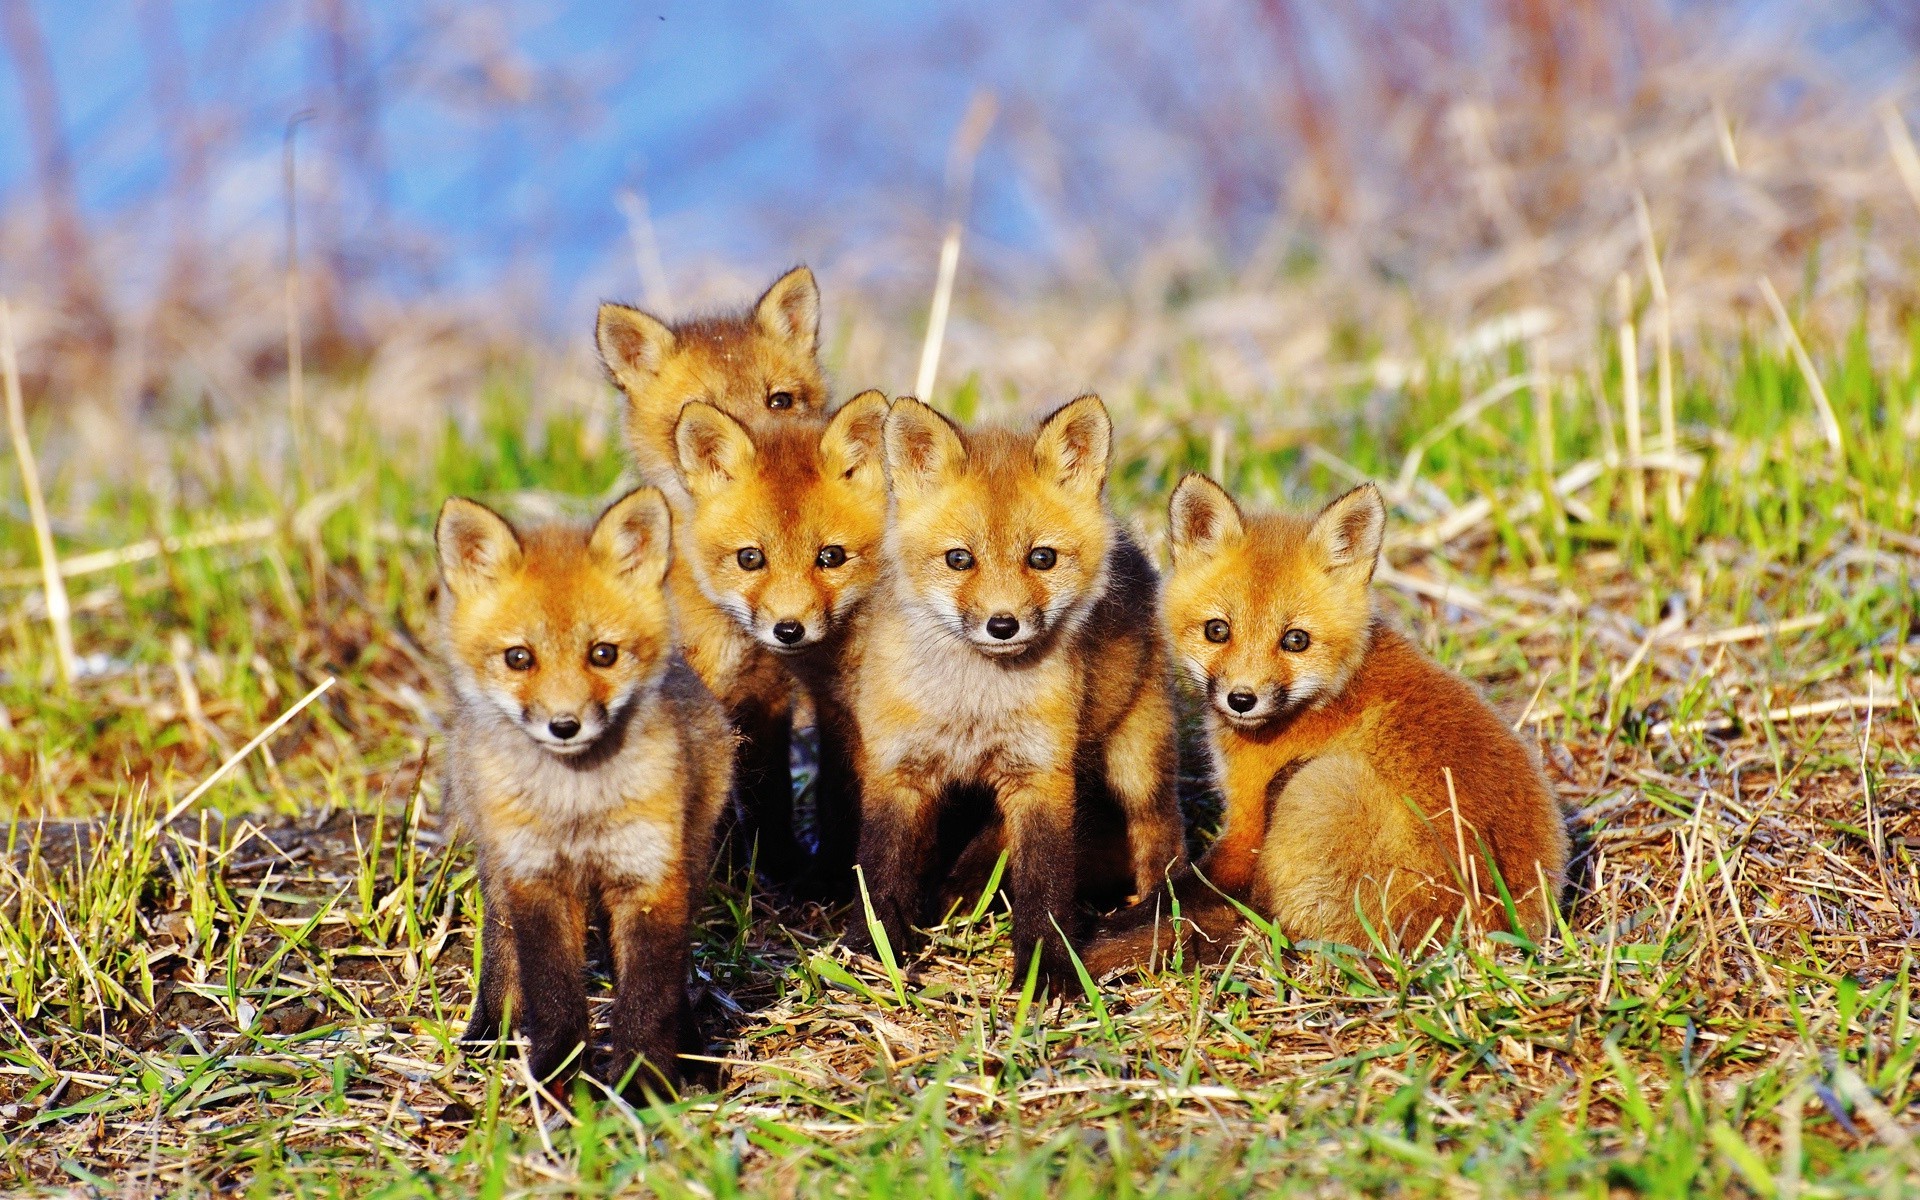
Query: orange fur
{"x": 1012, "y": 647}
{"x": 588, "y": 764}
{"x": 1333, "y": 736}
{"x": 760, "y": 364}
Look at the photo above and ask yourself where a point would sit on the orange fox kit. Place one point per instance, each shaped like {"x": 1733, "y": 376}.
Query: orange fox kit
{"x": 1334, "y": 737}
{"x": 588, "y": 764}
{"x": 788, "y": 520}
{"x": 1012, "y": 647}
{"x": 761, "y": 363}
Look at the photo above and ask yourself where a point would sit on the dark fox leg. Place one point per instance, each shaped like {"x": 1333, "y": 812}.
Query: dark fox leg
{"x": 1146, "y": 934}
{"x": 549, "y": 939}
{"x": 763, "y": 779}
{"x": 896, "y": 845}
{"x": 649, "y": 931}
{"x": 1040, "y": 869}
{"x": 498, "y": 969}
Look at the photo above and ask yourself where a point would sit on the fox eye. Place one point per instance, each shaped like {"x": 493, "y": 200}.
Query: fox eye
{"x": 830, "y": 556}
{"x": 960, "y": 560}
{"x": 1041, "y": 558}
{"x": 603, "y": 654}
{"x": 751, "y": 558}
{"x": 1295, "y": 640}
{"x": 519, "y": 658}
{"x": 780, "y": 400}
{"x": 1218, "y": 630}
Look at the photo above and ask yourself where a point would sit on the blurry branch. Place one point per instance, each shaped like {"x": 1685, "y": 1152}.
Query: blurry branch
{"x": 1900, "y": 141}
{"x": 646, "y": 250}
{"x": 66, "y": 237}
{"x": 296, "y": 398}
{"x": 59, "y": 612}
{"x": 1829, "y": 424}
{"x": 961, "y": 155}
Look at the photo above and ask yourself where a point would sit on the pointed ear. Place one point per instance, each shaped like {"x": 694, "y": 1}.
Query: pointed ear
{"x": 1202, "y": 520}
{"x": 1074, "y": 443}
{"x": 922, "y": 447}
{"x": 790, "y": 311}
{"x": 632, "y": 345}
{"x": 1348, "y": 533}
{"x": 713, "y": 448}
{"x": 854, "y": 443}
{"x": 635, "y": 536}
{"x": 477, "y": 547}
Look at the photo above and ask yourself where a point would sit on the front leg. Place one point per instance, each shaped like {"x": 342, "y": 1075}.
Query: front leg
{"x": 550, "y": 945}
{"x": 1142, "y": 757}
{"x": 498, "y": 967}
{"x": 1250, "y": 785}
{"x": 1041, "y": 868}
{"x": 897, "y": 828}
{"x": 836, "y": 798}
{"x": 649, "y": 928}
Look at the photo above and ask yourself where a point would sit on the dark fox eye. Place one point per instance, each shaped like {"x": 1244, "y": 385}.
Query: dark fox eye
{"x": 780, "y": 400}
{"x": 1218, "y": 630}
{"x": 1041, "y": 558}
{"x": 603, "y": 654}
{"x": 751, "y": 558}
{"x": 830, "y": 556}
{"x": 1295, "y": 640}
{"x": 519, "y": 658}
{"x": 960, "y": 560}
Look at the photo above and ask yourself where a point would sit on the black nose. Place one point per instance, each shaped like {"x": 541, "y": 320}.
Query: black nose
{"x": 1241, "y": 702}
{"x": 788, "y": 632}
{"x": 1003, "y": 625}
{"x": 563, "y": 727}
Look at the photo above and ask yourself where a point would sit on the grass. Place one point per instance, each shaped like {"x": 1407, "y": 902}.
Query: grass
{"x": 262, "y": 996}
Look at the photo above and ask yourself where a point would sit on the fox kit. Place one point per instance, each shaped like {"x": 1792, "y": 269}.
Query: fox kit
{"x": 588, "y": 764}
{"x": 760, "y": 364}
{"x": 788, "y": 522}
{"x": 1013, "y": 648}
{"x": 1333, "y": 737}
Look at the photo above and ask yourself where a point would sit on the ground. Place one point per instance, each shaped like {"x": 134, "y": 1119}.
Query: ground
{"x": 262, "y": 993}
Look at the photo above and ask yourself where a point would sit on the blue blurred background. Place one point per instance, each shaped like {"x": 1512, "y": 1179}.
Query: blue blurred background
{"x": 468, "y": 147}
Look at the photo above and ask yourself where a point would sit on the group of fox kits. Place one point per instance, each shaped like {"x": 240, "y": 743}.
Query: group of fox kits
{"x": 990, "y": 660}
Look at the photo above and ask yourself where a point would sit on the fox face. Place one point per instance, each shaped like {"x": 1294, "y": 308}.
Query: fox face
{"x": 763, "y": 362}
{"x": 1272, "y": 614}
{"x": 788, "y": 520}
{"x": 558, "y": 629}
{"x": 1000, "y": 539}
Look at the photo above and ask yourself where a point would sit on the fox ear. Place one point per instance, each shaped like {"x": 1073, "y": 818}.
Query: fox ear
{"x": 476, "y": 546}
{"x": 922, "y": 447}
{"x": 1348, "y": 533}
{"x": 790, "y": 310}
{"x": 854, "y": 443}
{"x": 636, "y": 536}
{"x": 1202, "y": 519}
{"x": 712, "y": 446}
{"x": 632, "y": 345}
{"x": 1074, "y": 444}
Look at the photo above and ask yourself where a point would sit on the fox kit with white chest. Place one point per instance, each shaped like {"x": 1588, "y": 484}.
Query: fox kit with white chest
{"x": 786, "y": 537}
{"x": 1366, "y": 786}
{"x": 589, "y": 766}
{"x": 1013, "y": 646}
{"x": 762, "y": 364}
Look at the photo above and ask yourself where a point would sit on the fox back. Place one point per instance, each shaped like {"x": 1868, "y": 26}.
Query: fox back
{"x": 760, "y": 362}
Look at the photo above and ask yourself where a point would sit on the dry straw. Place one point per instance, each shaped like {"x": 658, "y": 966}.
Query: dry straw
{"x": 59, "y": 610}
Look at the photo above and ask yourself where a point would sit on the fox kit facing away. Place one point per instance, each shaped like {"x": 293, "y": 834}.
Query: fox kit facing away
{"x": 589, "y": 766}
{"x": 1014, "y": 649}
{"x": 1334, "y": 737}
{"x": 786, "y": 538}
{"x": 760, "y": 364}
